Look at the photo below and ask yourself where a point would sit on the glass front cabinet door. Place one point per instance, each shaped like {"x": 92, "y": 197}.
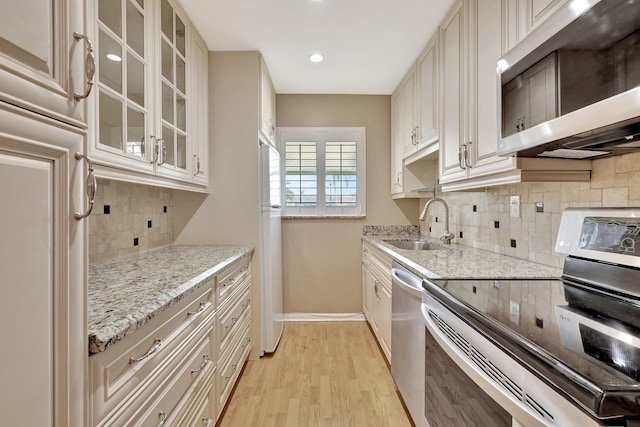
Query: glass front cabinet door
{"x": 142, "y": 108}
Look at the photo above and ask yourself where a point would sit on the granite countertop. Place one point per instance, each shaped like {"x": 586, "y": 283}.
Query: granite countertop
{"x": 125, "y": 293}
{"x": 461, "y": 262}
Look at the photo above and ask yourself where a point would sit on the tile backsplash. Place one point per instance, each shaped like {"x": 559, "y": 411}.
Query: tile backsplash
{"x": 129, "y": 218}
{"x": 482, "y": 219}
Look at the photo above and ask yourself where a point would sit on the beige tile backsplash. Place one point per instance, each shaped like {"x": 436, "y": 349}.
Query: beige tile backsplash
{"x": 135, "y": 212}
{"x": 615, "y": 182}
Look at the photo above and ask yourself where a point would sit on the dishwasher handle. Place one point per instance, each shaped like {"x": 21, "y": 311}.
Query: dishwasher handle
{"x": 408, "y": 282}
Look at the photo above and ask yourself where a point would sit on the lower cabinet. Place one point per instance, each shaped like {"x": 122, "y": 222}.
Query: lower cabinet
{"x": 376, "y": 293}
{"x": 180, "y": 368}
{"x": 233, "y": 329}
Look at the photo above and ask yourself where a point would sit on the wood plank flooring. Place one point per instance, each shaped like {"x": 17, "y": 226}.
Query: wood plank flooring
{"x": 322, "y": 374}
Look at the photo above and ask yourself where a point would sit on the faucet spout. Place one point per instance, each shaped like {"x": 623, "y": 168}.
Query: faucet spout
{"x": 447, "y": 236}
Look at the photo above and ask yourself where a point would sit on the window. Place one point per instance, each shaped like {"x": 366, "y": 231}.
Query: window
{"x": 323, "y": 171}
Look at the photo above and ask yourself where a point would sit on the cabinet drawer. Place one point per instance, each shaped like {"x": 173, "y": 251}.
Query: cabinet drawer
{"x": 233, "y": 338}
{"x": 132, "y": 366}
{"x": 191, "y": 373}
{"x": 230, "y": 316}
{"x": 231, "y": 362}
{"x": 231, "y": 277}
{"x": 199, "y": 409}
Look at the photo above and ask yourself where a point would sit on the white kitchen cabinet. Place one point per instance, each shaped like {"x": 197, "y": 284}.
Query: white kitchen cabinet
{"x": 42, "y": 64}
{"x": 232, "y": 326}
{"x": 157, "y": 368}
{"x": 148, "y": 117}
{"x": 267, "y": 105}
{"x": 376, "y": 271}
{"x": 472, "y": 40}
{"x": 200, "y": 117}
{"x": 43, "y": 267}
{"x": 407, "y": 178}
{"x": 406, "y": 113}
{"x": 520, "y": 17}
{"x": 427, "y": 100}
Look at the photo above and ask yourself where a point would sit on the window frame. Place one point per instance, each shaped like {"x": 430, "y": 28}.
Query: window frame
{"x": 322, "y": 135}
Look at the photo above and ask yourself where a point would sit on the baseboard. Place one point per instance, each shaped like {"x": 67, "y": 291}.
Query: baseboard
{"x": 323, "y": 317}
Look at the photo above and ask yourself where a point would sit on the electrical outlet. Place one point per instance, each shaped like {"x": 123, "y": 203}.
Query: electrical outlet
{"x": 514, "y": 312}
{"x": 514, "y": 207}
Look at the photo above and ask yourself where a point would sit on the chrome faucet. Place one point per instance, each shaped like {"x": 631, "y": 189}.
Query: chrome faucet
{"x": 446, "y": 237}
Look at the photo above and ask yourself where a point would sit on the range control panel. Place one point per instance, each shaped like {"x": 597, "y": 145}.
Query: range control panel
{"x": 608, "y": 234}
{"x": 604, "y": 234}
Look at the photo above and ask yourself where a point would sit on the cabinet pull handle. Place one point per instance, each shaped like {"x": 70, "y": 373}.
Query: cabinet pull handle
{"x": 233, "y": 371}
{"x": 247, "y": 343}
{"x": 467, "y": 163}
{"x": 163, "y": 418}
{"x": 245, "y": 269}
{"x": 156, "y": 149}
{"x": 91, "y": 187}
{"x": 522, "y": 120}
{"x": 246, "y": 303}
{"x": 205, "y": 360}
{"x": 461, "y": 156}
{"x": 156, "y": 345}
{"x": 89, "y": 66}
{"x": 207, "y": 422}
{"x": 197, "y": 165}
{"x": 200, "y": 309}
{"x": 518, "y": 125}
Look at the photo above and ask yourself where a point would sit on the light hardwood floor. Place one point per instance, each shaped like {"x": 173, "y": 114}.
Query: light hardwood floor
{"x": 322, "y": 374}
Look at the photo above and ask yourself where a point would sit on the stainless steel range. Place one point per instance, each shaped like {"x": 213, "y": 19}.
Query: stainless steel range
{"x": 562, "y": 352}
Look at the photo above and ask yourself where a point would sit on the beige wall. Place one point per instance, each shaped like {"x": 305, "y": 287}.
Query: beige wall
{"x": 615, "y": 182}
{"x": 322, "y": 258}
{"x": 229, "y": 214}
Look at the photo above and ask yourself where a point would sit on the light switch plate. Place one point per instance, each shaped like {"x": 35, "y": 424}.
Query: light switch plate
{"x": 514, "y": 207}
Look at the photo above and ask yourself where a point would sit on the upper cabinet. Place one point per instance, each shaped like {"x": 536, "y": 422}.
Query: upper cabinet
{"x": 427, "y": 97}
{"x": 148, "y": 116}
{"x": 473, "y": 38}
{"x": 415, "y": 124}
{"x": 520, "y": 17}
{"x": 267, "y": 105}
{"x": 45, "y": 59}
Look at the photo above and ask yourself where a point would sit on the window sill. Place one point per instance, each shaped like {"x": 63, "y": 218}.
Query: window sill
{"x": 323, "y": 217}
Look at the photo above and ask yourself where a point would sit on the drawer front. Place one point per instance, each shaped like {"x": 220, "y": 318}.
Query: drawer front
{"x": 232, "y": 361}
{"x": 231, "y": 277}
{"x": 199, "y": 410}
{"x": 126, "y": 370}
{"x": 232, "y": 338}
{"x": 191, "y": 373}
{"x": 230, "y": 317}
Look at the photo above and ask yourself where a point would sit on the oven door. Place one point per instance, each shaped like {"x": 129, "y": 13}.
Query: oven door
{"x": 471, "y": 382}
{"x": 452, "y": 398}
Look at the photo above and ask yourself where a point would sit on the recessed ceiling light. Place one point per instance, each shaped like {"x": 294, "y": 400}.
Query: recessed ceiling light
{"x": 113, "y": 57}
{"x": 316, "y": 57}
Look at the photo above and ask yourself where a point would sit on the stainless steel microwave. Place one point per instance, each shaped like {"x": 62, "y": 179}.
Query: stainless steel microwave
{"x": 571, "y": 88}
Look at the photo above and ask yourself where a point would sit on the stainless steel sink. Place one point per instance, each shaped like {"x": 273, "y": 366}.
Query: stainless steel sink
{"x": 415, "y": 245}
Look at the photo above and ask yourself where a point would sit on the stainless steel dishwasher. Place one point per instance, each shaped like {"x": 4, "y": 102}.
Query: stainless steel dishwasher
{"x": 408, "y": 340}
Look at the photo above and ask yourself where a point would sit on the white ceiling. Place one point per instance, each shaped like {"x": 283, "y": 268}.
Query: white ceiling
{"x": 368, "y": 44}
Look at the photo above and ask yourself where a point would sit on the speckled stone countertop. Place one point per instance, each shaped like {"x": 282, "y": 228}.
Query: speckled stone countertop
{"x": 462, "y": 262}
{"x": 125, "y": 293}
